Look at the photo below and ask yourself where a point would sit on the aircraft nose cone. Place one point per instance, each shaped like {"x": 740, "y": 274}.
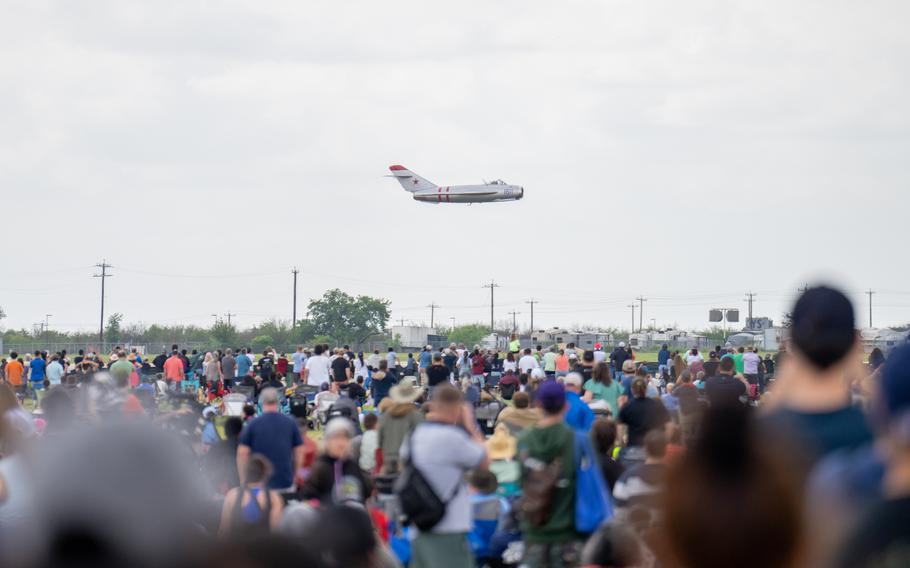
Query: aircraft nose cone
{"x": 521, "y": 192}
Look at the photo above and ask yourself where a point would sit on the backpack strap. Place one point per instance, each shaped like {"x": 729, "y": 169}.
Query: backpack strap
{"x": 410, "y": 461}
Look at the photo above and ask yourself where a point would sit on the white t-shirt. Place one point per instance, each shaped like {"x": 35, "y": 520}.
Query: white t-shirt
{"x": 600, "y": 356}
{"x": 750, "y": 363}
{"x": 509, "y": 366}
{"x": 317, "y": 368}
{"x": 692, "y": 358}
{"x": 527, "y": 363}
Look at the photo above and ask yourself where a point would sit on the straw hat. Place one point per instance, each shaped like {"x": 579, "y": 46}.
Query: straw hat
{"x": 502, "y": 445}
{"x": 405, "y": 393}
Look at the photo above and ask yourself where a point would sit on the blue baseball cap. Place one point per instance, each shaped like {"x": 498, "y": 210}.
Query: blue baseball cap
{"x": 551, "y": 396}
{"x": 896, "y": 382}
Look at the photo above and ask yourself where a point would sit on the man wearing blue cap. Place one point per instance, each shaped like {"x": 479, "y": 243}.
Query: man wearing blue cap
{"x": 812, "y": 398}
{"x": 550, "y": 538}
{"x": 883, "y": 538}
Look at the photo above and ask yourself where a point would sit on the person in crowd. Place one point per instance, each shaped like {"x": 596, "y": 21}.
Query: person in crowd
{"x": 602, "y": 392}
{"x": 509, "y": 385}
{"x": 626, "y": 376}
{"x": 336, "y": 477}
{"x": 613, "y": 546}
{"x": 228, "y": 368}
{"x": 251, "y": 509}
{"x": 663, "y": 358}
{"x": 502, "y": 448}
{"x": 882, "y": 537}
{"x": 449, "y": 424}
{"x": 549, "y": 534}
{"x": 423, "y": 363}
{"x": 578, "y": 415}
{"x": 55, "y": 371}
{"x": 689, "y": 406}
{"x": 298, "y": 362}
{"x": 618, "y": 358}
{"x": 275, "y": 436}
{"x": 679, "y": 365}
{"x": 398, "y": 419}
{"x": 15, "y": 374}
{"x": 281, "y": 366}
{"x": 510, "y": 364}
{"x": 586, "y": 367}
{"x": 751, "y": 368}
{"x": 121, "y": 369}
{"x": 725, "y": 388}
{"x": 639, "y": 416}
{"x": 731, "y": 462}
{"x": 711, "y": 366}
{"x": 266, "y": 367}
{"x": 527, "y": 362}
{"x": 174, "y": 371}
{"x": 220, "y": 462}
{"x": 478, "y": 362}
{"x": 549, "y": 362}
{"x": 520, "y": 415}
{"x": 341, "y": 367}
{"x": 603, "y": 434}
{"x": 244, "y": 363}
{"x": 812, "y": 399}
{"x": 369, "y": 443}
{"x": 438, "y": 372}
{"x": 562, "y": 364}
{"x": 316, "y": 370}
{"x": 487, "y": 509}
{"x": 737, "y": 356}
{"x": 639, "y": 491}
{"x": 382, "y": 383}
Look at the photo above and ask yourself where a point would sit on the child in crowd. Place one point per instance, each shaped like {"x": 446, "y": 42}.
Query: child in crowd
{"x": 489, "y": 512}
{"x": 369, "y": 442}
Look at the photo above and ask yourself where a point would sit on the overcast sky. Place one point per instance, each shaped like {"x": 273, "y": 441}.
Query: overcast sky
{"x": 684, "y": 151}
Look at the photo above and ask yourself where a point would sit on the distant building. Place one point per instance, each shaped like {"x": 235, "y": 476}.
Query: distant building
{"x": 884, "y": 339}
{"x": 412, "y": 336}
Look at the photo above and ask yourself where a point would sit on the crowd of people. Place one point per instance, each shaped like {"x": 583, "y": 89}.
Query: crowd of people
{"x": 549, "y": 456}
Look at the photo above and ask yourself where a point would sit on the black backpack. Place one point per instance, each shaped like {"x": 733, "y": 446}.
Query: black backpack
{"x": 420, "y": 504}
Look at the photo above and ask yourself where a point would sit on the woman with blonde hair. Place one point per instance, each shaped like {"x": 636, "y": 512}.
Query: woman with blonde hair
{"x": 679, "y": 365}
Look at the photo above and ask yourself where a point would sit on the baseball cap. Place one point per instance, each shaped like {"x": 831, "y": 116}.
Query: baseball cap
{"x": 622, "y": 343}
{"x": 551, "y": 396}
{"x": 339, "y": 426}
{"x": 823, "y": 326}
{"x": 573, "y": 379}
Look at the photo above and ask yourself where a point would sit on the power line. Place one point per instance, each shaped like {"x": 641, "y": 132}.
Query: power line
{"x": 492, "y": 286}
{"x": 295, "y": 272}
{"x": 229, "y": 315}
{"x": 633, "y": 306}
{"x": 532, "y": 301}
{"x": 103, "y": 276}
{"x": 432, "y": 307}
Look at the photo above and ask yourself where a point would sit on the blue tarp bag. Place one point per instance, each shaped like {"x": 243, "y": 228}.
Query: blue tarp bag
{"x": 592, "y": 501}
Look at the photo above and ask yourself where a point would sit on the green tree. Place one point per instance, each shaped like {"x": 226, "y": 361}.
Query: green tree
{"x": 224, "y": 334}
{"x": 112, "y": 332}
{"x": 260, "y": 342}
{"x": 347, "y": 319}
{"x": 470, "y": 334}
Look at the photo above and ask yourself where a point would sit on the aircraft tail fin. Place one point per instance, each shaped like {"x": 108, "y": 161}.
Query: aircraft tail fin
{"x": 409, "y": 180}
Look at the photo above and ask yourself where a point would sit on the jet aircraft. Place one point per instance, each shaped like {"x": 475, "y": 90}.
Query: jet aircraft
{"x": 428, "y": 192}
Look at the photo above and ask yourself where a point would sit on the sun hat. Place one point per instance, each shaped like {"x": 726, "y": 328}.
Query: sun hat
{"x": 573, "y": 379}
{"x": 628, "y": 366}
{"x": 501, "y": 445}
{"x": 405, "y": 393}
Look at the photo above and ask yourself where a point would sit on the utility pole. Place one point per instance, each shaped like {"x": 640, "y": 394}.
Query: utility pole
{"x": 532, "y": 301}
{"x": 453, "y": 322}
{"x": 750, "y": 297}
{"x": 103, "y": 276}
{"x": 514, "y": 322}
{"x": 492, "y": 286}
{"x": 432, "y": 307}
{"x": 216, "y": 318}
{"x": 870, "y": 291}
{"x": 295, "y": 272}
{"x": 641, "y": 312}
{"x": 633, "y": 306}
{"x": 229, "y": 315}
{"x": 47, "y": 325}
{"x": 401, "y": 322}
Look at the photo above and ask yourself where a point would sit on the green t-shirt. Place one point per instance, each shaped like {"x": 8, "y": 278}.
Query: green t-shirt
{"x": 549, "y": 362}
{"x": 546, "y": 444}
{"x": 608, "y": 393}
{"x": 738, "y": 359}
{"x": 121, "y": 369}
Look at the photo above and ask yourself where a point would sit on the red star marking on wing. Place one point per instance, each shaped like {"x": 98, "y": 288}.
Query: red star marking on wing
{"x": 416, "y": 182}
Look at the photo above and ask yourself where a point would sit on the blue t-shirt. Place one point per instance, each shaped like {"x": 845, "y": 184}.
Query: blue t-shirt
{"x": 579, "y": 416}
{"x": 626, "y": 383}
{"x": 38, "y": 367}
{"x": 425, "y": 359}
{"x": 243, "y": 365}
{"x": 663, "y": 356}
{"x": 275, "y": 436}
